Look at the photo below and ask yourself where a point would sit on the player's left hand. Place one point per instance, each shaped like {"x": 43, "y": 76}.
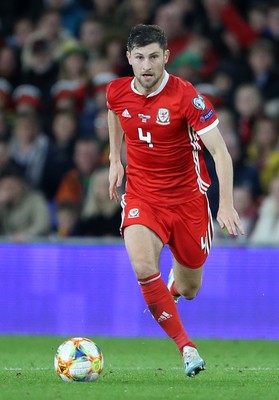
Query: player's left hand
{"x": 228, "y": 218}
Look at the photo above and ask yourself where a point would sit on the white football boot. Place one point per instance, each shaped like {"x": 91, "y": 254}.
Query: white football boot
{"x": 193, "y": 363}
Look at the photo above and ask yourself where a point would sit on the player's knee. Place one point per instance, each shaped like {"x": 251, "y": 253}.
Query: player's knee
{"x": 190, "y": 296}
{"x": 189, "y": 292}
{"x": 142, "y": 268}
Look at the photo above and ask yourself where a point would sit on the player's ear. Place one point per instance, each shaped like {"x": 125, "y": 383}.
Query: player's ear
{"x": 166, "y": 56}
{"x": 128, "y": 55}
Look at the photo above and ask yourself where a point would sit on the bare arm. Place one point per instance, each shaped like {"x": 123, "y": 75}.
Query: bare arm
{"x": 116, "y": 171}
{"x": 227, "y": 216}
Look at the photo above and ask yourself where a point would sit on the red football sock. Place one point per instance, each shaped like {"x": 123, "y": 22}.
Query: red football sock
{"x": 161, "y": 305}
{"x": 173, "y": 290}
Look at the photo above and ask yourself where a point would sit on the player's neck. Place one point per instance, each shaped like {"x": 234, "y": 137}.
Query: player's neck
{"x": 147, "y": 91}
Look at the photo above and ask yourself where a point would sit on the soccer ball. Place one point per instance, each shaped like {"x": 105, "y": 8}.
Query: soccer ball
{"x": 78, "y": 359}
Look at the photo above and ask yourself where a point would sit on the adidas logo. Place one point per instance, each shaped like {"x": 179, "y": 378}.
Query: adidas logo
{"x": 126, "y": 113}
{"x": 164, "y": 316}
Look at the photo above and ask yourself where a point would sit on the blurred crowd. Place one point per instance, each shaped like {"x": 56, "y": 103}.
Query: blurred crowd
{"x": 56, "y": 58}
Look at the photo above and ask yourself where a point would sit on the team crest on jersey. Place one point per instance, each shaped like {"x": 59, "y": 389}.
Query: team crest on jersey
{"x": 133, "y": 213}
{"x": 199, "y": 102}
{"x": 163, "y": 116}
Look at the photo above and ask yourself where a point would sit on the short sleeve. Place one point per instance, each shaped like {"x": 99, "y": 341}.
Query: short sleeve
{"x": 198, "y": 111}
{"x": 109, "y": 97}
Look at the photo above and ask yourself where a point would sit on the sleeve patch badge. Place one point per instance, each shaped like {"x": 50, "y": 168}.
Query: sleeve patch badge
{"x": 205, "y": 117}
{"x": 199, "y": 102}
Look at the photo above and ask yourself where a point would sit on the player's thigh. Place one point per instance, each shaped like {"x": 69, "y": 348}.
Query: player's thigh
{"x": 144, "y": 248}
{"x": 188, "y": 280}
{"x": 192, "y": 233}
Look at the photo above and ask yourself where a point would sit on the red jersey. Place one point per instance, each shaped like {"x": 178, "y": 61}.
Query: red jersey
{"x": 164, "y": 150}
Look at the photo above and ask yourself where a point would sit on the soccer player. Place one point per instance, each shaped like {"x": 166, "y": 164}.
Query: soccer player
{"x": 166, "y": 124}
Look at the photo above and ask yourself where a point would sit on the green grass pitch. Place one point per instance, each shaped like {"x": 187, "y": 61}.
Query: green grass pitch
{"x": 149, "y": 369}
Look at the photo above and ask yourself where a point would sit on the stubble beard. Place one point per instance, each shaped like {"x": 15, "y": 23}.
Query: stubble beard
{"x": 149, "y": 85}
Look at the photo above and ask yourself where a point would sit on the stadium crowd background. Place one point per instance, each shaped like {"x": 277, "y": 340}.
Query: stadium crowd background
{"x": 56, "y": 58}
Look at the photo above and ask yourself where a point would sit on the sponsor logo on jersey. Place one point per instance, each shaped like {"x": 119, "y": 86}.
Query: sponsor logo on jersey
{"x": 144, "y": 117}
{"x": 205, "y": 117}
{"x": 126, "y": 114}
{"x": 199, "y": 102}
{"x": 133, "y": 213}
{"x": 163, "y": 116}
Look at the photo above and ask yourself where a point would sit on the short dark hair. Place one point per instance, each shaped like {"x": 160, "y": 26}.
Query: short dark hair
{"x": 142, "y": 35}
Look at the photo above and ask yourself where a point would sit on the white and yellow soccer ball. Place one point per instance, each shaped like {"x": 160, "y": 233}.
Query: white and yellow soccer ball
{"x": 79, "y": 360}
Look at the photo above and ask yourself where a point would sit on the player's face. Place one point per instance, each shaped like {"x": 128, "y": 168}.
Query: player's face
{"x": 148, "y": 65}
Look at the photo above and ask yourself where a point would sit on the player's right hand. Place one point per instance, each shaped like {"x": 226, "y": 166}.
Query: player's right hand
{"x": 116, "y": 173}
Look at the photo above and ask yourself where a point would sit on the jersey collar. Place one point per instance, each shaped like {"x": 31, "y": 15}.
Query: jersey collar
{"x": 160, "y": 88}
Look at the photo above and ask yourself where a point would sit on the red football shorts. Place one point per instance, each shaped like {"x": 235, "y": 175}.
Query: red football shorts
{"x": 187, "y": 228}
